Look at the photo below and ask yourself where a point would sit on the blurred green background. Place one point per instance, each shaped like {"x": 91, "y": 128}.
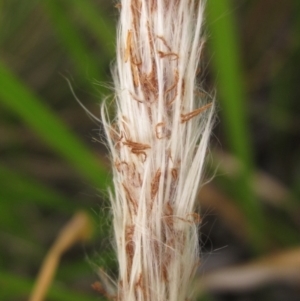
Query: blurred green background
{"x": 53, "y": 161}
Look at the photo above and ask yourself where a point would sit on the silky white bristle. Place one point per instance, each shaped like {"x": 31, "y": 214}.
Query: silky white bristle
{"x": 158, "y": 141}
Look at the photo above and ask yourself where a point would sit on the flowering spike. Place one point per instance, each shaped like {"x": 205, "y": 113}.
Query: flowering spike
{"x": 158, "y": 143}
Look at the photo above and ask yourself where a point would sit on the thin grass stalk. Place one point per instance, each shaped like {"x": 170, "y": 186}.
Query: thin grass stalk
{"x": 158, "y": 142}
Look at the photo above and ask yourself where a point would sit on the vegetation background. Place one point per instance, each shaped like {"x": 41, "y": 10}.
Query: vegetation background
{"x": 53, "y": 161}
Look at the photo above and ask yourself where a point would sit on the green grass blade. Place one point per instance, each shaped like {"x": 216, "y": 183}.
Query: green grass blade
{"x": 20, "y": 100}
{"x": 226, "y": 59}
{"x": 98, "y": 24}
{"x": 227, "y": 65}
{"x": 89, "y": 68}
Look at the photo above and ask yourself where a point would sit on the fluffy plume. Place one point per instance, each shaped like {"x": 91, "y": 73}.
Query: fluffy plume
{"x": 158, "y": 141}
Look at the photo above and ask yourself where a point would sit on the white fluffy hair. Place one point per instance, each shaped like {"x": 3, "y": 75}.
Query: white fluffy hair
{"x": 158, "y": 141}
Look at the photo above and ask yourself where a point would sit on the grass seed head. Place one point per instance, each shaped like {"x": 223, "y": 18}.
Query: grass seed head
{"x": 160, "y": 136}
